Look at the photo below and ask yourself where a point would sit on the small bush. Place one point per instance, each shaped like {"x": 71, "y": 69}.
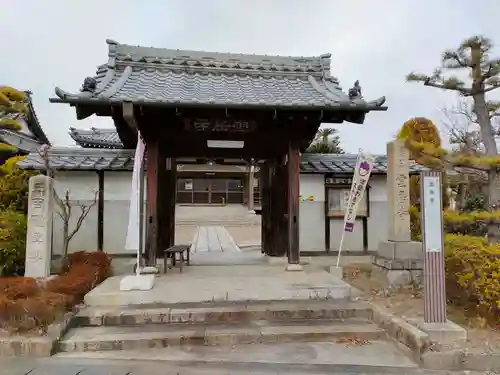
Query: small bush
{"x": 83, "y": 271}
{"x": 473, "y": 275}
{"x": 18, "y": 287}
{"x": 12, "y": 242}
{"x": 26, "y": 306}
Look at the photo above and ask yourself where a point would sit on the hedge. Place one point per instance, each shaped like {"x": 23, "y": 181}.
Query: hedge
{"x": 473, "y": 223}
{"x": 473, "y": 275}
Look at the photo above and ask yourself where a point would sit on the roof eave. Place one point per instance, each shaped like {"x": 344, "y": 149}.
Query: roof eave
{"x": 365, "y": 106}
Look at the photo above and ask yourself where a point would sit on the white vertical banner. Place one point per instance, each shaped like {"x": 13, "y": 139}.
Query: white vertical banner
{"x": 362, "y": 172}
{"x": 134, "y": 227}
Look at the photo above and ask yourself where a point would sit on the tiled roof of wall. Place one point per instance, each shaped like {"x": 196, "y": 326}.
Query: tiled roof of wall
{"x": 105, "y": 159}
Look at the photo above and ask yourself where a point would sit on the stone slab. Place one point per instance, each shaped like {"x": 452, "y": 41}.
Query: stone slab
{"x": 213, "y": 239}
{"x": 294, "y": 267}
{"x": 100, "y": 338}
{"x": 399, "y": 264}
{"x": 400, "y": 250}
{"x": 325, "y": 357}
{"x": 223, "y": 283}
{"x": 442, "y": 333}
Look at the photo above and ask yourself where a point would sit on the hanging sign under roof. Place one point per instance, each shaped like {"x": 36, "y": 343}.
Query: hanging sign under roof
{"x": 228, "y": 125}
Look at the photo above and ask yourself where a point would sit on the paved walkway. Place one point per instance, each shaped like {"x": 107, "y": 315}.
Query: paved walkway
{"x": 213, "y": 239}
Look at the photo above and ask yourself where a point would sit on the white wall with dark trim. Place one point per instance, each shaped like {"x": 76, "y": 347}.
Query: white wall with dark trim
{"x": 82, "y": 186}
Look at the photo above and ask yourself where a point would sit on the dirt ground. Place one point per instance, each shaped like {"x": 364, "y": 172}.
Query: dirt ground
{"x": 408, "y": 303}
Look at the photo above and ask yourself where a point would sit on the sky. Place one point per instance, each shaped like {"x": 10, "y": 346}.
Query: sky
{"x": 53, "y": 43}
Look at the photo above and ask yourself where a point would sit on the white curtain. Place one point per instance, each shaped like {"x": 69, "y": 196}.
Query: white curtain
{"x": 132, "y": 241}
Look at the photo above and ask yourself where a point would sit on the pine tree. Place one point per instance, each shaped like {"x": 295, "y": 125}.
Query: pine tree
{"x": 473, "y": 56}
{"x": 12, "y": 105}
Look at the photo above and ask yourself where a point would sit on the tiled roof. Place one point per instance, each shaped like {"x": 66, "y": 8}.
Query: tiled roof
{"x": 81, "y": 159}
{"x": 345, "y": 163}
{"x": 95, "y": 159}
{"x": 30, "y": 119}
{"x": 146, "y": 75}
{"x": 96, "y": 138}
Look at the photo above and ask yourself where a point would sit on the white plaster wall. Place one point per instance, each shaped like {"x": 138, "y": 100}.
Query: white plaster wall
{"x": 81, "y": 186}
{"x": 117, "y": 187}
{"x": 312, "y": 214}
{"x": 377, "y": 222}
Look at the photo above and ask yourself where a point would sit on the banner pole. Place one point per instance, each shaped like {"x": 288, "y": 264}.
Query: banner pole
{"x": 340, "y": 247}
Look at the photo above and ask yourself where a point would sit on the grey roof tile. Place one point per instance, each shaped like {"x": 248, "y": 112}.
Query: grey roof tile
{"x": 96, "y": 138}
{"x": 176, "y": 77}
{"x": 31, "y": 120}
{"x": 105, "y": 159}
{"x": 345, "y": 163}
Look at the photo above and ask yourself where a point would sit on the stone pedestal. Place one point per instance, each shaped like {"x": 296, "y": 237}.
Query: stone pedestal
{"x": 447, "y": 333}
{"x": 41, "y": 203}
{"x": 400, "y": 250}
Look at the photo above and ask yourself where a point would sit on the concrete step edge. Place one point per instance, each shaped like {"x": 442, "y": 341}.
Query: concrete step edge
{"x": 162, "y": 315}
{"x": 216, "y": 337}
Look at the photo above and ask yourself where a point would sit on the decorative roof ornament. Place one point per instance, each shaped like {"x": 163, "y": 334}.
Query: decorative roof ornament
{"x": 89, "y": 85}
{"x": 355, "y": 91}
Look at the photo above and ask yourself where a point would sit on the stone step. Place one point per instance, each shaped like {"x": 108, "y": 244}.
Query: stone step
{"x": 135, "y": 337}
{"x": 222, "y": 313}
{"x": 376, "y": 356}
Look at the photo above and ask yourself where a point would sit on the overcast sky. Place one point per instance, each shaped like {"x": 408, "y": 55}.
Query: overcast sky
{"x": 59, "y": 42}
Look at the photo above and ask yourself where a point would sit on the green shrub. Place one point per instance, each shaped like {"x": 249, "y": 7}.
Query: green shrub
{"x": 12, "y": 242}
{"x": 473, "y": 275}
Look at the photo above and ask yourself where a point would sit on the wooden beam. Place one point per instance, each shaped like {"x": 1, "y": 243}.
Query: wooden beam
{"x": 293, "y": 167}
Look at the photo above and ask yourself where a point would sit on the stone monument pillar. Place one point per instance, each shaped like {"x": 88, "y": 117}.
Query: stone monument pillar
{"x": 39, "y": 231}
{"x": 399, "y": 252}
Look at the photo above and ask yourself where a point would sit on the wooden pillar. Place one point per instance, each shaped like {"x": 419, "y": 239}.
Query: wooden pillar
{"x": 171, "y": 196}
{"x": 156, "y": 168}
{"x": 279, "y": 223}
{"x": 293, "y": 168}
{"x": 250, "y": 202}
{"x": 100, "y": 211}
{"x": 265, "y": 184}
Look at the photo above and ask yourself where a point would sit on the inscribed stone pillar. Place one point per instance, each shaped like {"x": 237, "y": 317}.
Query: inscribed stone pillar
{"x": 39, "y": 230}
{"x": 398, "y": 192}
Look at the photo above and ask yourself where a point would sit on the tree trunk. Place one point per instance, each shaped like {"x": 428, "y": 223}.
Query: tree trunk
{"x": 490, "y": 146}
{"x": 65, "y": 239}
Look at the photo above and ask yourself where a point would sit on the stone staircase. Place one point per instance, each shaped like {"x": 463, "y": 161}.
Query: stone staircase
{"x": 325, "y": 335}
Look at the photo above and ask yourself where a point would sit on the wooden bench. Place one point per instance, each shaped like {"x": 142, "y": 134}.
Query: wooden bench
{"x": 172, "y": 252}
